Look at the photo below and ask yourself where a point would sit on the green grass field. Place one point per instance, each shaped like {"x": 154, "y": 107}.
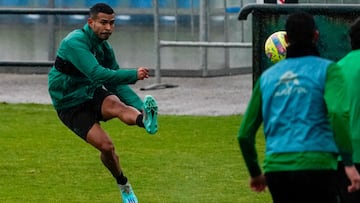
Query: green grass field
{"x": 190, "y": 159}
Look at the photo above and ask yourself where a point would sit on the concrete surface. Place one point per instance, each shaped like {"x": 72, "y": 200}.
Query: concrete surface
{"x": 226, "y": 95}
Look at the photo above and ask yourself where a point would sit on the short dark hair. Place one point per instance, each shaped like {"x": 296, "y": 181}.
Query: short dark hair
{"x": 100, "y": 8}
{"x": 354, "y": 34}
{"x": 300, "y": 27}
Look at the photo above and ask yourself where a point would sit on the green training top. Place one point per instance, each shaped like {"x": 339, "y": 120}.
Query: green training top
{"x": 95, "y": 59}
{"x": 350, "y": 65}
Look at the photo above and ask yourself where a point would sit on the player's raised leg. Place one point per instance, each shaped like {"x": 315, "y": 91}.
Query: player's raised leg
{"x": 112, "y": 107}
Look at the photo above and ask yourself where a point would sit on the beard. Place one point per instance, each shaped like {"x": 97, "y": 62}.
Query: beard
{"x": 104, "y": 35}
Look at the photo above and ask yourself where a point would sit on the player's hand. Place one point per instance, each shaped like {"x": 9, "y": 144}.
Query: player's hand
{"x": 354, "y": 178}
{"x": 258, "y": 183}
{"x": 142, "y": 73}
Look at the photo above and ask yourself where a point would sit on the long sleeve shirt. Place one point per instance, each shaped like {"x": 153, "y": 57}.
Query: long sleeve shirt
{"x": 95, "y": 60}
{"x": 350, "y": 65}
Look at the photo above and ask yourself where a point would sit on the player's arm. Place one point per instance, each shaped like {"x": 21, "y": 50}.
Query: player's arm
{"x": 80, "y": 55}
{"x": 337, "y": 103}
{"x": 247, "y": 132}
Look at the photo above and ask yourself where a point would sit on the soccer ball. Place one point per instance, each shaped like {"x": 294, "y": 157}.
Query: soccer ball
{"x": 275, "y": 46}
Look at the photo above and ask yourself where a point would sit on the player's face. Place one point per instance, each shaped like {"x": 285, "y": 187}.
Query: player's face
{"x": 102, "y": 25}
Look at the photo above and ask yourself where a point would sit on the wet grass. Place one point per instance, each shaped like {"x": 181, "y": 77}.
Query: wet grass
{"x": 190, "y": 159}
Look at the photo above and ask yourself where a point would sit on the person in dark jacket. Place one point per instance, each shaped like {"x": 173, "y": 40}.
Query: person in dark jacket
{"x": 87, "y": 86}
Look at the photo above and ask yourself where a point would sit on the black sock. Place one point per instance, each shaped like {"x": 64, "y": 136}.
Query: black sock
{"x": 121, "y": 179}
{"x": 139, "y": 121}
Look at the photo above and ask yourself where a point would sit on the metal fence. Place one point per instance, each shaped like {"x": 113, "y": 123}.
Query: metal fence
{"x": 190, "y": 38}
{"x": 196, "y": 30}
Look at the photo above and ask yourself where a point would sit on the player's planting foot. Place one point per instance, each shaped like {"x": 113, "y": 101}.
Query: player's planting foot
{"x": 150, "y": 114}
{"x": 127, "y": 194}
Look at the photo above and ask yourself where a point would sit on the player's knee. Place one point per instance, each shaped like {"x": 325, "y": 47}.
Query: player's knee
{"x": 107, "y": 147}
{"x": 111, "y": 102}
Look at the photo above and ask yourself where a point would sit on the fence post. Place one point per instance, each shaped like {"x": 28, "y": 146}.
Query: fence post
{"x": 158, "y": 84}
{"x": 203, "y": 32}
{"x": 51, "y": 31}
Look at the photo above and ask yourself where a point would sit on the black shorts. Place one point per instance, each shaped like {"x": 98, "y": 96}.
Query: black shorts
{"x": 310, "y": 186}
{"x": 81, "y": 118}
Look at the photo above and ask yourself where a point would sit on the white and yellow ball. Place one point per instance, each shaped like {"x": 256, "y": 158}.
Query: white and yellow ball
{"x": 275, "y": 46}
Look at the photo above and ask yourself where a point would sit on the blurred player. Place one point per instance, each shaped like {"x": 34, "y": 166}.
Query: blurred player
{"x": 350, "y": 65}
{"x": 302, "y": 103}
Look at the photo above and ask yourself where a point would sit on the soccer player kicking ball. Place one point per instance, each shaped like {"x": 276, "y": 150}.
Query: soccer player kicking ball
{"x": 87, "y": 86}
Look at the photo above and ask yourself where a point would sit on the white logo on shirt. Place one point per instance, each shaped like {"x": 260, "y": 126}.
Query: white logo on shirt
{"x": 289, "y": 84}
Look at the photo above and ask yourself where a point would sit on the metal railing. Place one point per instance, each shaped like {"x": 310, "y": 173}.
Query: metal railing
{"x": 203, "y": 43}
{"x": 39, "y": 11}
